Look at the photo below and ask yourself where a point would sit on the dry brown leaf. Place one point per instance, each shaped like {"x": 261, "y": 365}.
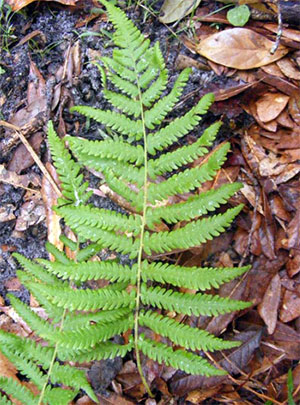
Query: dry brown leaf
{"x": 289, "y": 69}
{"x": 173, "y": 10}
{"x": 270, "y": 105}
{"x": 52, "y": 219}
{"x": 289, "y": 33}
{"x": 17, "y": 5}
{"x": 290, "y": 307}
{"x": 239, "y": 48}
{"x": 269, "y": 306}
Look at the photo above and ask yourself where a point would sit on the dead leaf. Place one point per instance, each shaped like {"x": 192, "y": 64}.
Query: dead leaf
{"x": 239, "y": 48}
{"x": 52, "y": 219}
{"x": 7, "y": 212}
{"x": 21, "y": 158}
{"x": 173, "y": 10}
{"x": 289, "y": 69}
{"x": 17, "y": 5}
{"x": 240, "y": 357}
{"x": 290, "y": 307}
{"x": 9, "y": 177}
{"x": 269, "y": 306}
{"x": 270, "y": 105}
{"x": 293, "y": 265}
{"x": 32, "y": 213}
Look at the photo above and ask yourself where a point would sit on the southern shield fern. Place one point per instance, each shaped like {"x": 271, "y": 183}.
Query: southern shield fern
{"x": 83, "y": 321}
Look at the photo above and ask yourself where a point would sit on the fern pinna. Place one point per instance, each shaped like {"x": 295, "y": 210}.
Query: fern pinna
{"x": 83, "y": 321}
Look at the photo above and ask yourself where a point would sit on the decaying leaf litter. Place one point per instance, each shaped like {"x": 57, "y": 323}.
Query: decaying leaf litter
{"x": 46, "y": 67}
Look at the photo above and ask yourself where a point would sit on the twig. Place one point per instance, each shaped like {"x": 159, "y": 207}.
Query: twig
{"x": 279, "y": 29}
{"x": 33, "y": 155}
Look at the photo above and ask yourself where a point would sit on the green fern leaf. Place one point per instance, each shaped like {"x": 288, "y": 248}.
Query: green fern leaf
{"x": 18, "y": 391}
{"x": 190, "y": 277}
{"x": 116, "y": 121}
{"x": 88, "y": 336}
{"x": 188, "y": 362}
{"x": 189, "y": 179}
{"x": 197, "y": 304}
{"x": 192, "y": 234}
{"x": 159, "y": 111}
{"x": 179, "y": 127}
{"x": 75, "y": 320}
{"x": 101, "y": 351}
{"x": 81, "y": 320}
{"x": 107, "y": 270}
{"x": 187, "y": 154}
{"x": 68, "y": 170}
{"x": 123, "y": 103}
{"x": 193, "y": 207}
{"x": 107, "y": 149}
{"x": 86, "y": 300}
{"x": 100, "y": 219}
{"x": 184, "y": 335}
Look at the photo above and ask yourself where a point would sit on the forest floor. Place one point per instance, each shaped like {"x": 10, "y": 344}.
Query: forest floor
{"x": 47, "y": 50}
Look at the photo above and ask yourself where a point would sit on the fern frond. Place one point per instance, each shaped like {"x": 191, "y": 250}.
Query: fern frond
{"x": 107, "y": 149}
{"x": 110, "y": 240}
{"x": 80, "y": 320}
{"x": 193, "y": 234}
{"x": 34, "y": 321}
{"x": 38, "y": 272}
{"x": 116, "y": 121}
{"x": 179, "y": 127}
{"x": 159, "y": 111}
{"x": 120, "y": 187}
{"x": 126, "y": 36}
{"x": 196, "y": 278}
{"x": 124, "y": 85}
{"x": 101, "y": 351}
{"x": 86, "y": 337}
{"x": 180, "y": 359}
{"x": 100, "y": 219}
{"x": 124, "y": 72}
{"x": 18, "y": 391}
{"x": 187, "y": 154}
{"x": 87, "y": 300}
{"x": 184, "y": 335}
{"x": 123, "y": 103}
{"x": 120, "y": 170}
{"x": 193, "y": 207}
{"x": 183, "y": 303}
{"x": 189, "y": 179}
{"x": 71, "y": 181}
{"x": 25, "y": 366}
{"x": 84, "y": 271}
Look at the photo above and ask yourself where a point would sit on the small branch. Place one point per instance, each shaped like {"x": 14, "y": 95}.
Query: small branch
{"x": 33, "y": 155}
{"x": 279, "y": 29}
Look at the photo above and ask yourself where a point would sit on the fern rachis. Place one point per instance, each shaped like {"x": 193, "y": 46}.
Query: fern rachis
{"x": 82, "y": 321}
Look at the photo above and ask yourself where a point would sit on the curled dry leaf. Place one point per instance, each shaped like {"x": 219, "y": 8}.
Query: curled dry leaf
{"x": 173, "y": 10}
{"x": 239, "y": 48}
{"x": 269, "y": 306}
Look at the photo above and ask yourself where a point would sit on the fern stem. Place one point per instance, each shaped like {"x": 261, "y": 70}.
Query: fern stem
{"x": 140, "y": 253}
{"x": 41, "y": 397}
